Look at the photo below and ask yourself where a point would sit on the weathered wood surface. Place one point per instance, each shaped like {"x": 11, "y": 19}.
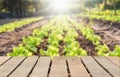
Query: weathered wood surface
{"x": 115, "y": 60}
{"x": 60, "y": 67}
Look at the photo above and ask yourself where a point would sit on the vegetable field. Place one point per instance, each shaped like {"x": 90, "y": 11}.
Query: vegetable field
{"x": 60, "y": 38}
{"x": 56, "y": 36}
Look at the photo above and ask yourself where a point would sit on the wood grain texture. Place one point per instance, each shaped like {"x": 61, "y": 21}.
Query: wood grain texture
{"x": 109, "y": 66}
{"x": 24, "y": 69}
{"x": 76, "y": 67}
{"x": 115, "y": 60}
{"x": 94, "y": 68}
{"x": 35, "y": 66}
{"x": 58, "y": 68}
{"x": 41, "y": 68}
{"x": 9, "y": 66}
{"x": 3, "y": 59}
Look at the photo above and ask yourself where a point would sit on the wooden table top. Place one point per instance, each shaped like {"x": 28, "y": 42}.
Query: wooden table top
{"x": 60, "y": 66}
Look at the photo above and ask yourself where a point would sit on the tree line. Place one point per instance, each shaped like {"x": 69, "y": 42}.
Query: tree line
{"x": 103, "y": 5}
{"x": 20, "y": 7}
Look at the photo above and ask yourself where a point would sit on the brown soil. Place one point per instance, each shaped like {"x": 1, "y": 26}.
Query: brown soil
{"x": 86, "y": 44}
{"x": 107, "y": 30}
{"x": 43, "y": 45}
{"x": 10, "y": 39}
{"x": 62, "y": 44}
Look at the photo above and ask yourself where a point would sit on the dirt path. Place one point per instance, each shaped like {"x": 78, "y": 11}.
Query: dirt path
{"x": 10, "y": 39}
{"x": 108, "y": 31}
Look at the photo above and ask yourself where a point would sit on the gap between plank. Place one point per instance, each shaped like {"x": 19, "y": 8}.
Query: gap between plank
{"x": 5, "y": 61}
{"x": 103, "y": 67}
{"x": 17, "y": 66}
{"x": 85, "y": 67}
{"x": 68, "y": 70}
{"x": 49, "y": 68}
{"x": 33, "y": 67}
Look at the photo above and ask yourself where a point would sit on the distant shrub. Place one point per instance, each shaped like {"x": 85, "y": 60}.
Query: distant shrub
{"x": 107, "y": 12}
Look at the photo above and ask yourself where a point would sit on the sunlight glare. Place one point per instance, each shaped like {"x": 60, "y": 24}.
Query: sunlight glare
{"x": 60, "y": 5}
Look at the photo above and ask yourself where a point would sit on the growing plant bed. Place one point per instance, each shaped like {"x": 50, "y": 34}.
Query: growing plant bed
{"x": 10, "y": 39}
{"x": 64, "y": 37}
{"x": 107, "y": 30}
{"x": 17, "y": 24}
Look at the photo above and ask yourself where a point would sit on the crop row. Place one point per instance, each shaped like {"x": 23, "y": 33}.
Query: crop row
{"x": 102, "y": 17}
{"x": 54, "y": 30}
{"x": 17, "y": 24}
{"x": 60, "y": 30}
{"x": 101, "y": 48}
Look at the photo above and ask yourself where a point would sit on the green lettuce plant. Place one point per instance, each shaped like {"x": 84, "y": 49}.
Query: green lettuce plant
{"x": 20, "y": 51}
{"x": 116, "y": 51}
{"x": 103, "y": 50}
{"x": 52, "y": 51}
{"x": 74, "y": 49}
{"x": 17, "y": 24}
{"x": 31, "y": 40}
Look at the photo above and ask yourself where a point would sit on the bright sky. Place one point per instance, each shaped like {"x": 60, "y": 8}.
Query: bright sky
{"x": 60, "y": 5}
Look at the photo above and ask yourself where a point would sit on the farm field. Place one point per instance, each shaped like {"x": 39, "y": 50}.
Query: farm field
{"x": 17, "y": 24}
{"x": 108, "y": 17}
{"x": 61, "y": 36}
{"x": 107, "y": 30}
{"x": 60, "y": 28}
{"x": 12, "y": 38}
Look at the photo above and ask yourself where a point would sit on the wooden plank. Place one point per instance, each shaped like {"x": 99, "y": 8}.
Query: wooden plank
{"x": 115, "y": 60}
{"x": 76, "y": 67}
{"x": 24, "y": 69}
{"x": 109, "y": 66}
{"x": 41, "y": 68}
{"x": 58, "y": 68}
{"x": 9, "y": 66}
{"x": 3, "y": 59}
{"x": 94, "y": 68}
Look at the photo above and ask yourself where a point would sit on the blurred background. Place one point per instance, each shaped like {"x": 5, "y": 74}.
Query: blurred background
{"x": 28, "y": 8}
